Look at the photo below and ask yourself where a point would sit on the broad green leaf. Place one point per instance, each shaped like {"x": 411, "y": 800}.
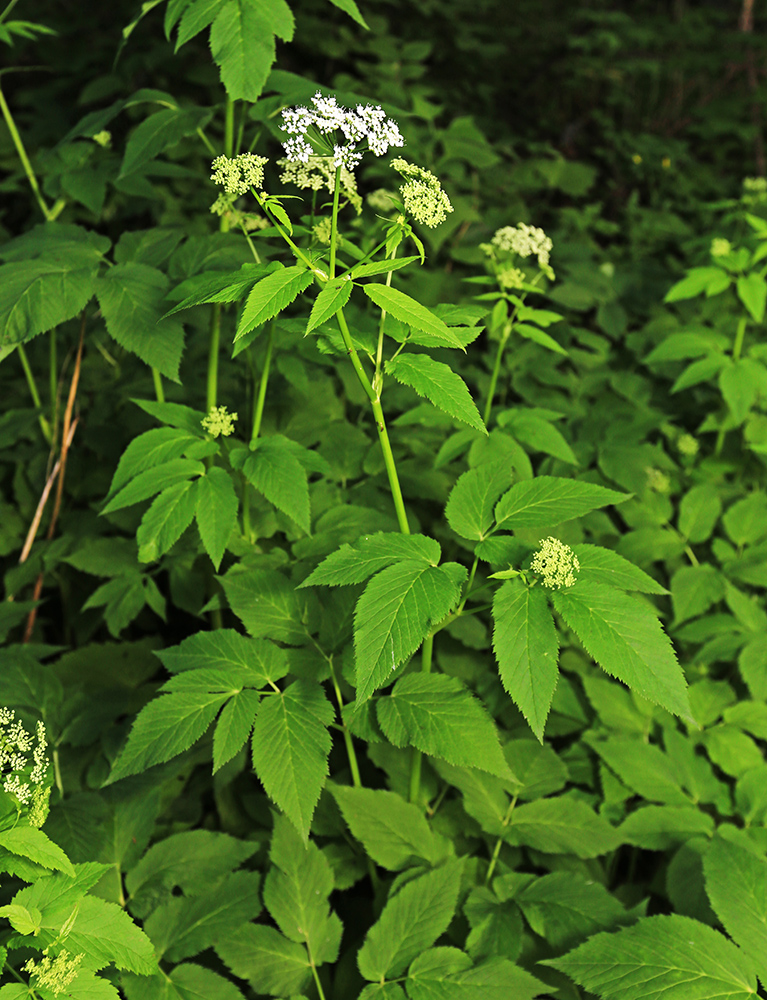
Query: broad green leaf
{"x": 216, "y": 512}
{"x": 393, "y": 832}
{"x": 736, "y": 884}
{"x": 198, "y": 15}
{"x": 350, "y": 7}
{"x": 696, "y": 280}
{"x": 36, "y": 295}
{"x": 538, "y": 337}
{"x": 165, "y": 727}
{"x": 274, "y": 470}
{"x": 29, "y": 842}
{"x": 752, "y": 292}
{"x": 184, "y": 926}
{"x": 393, "y": 617}
{"x": 644, "y": 768}
{"x": 485, "y": 797}
{"x": 130, "y": 296}
{"x": 742, "y": 383}
{"x": 268, "y": 605}
{"x": 187, "y": 981}
{"x": 547, "y": 501}
{"x": 411, "y": 313}
{"x": 272, "y": 294}
{"x": 746, "y": 520}
{"x": 291, "y": 744}
{"x": 161, "y": 129}
{"x": 600, "y": 565}
{"x": 334, "y": 296}
{"x": 411, "y": 921}
{"x": 257, "y": 661}
{"x": 271, "y": 964}
{"x": 167, "y": 519}
{"x": 440, "y": 717}
{"x": 296, "y": 893}
{"x": 174, "y": 415}
{"x": 357, "y": 562}
{"x": 662, "y": 828}
{"x": 699, "y": 371}
{"x": 22, "y": 919}
{"x": 538, "y": 433}
{"x": 626, "y": 639}
{"x": 234, "y": 726}
{"x": 561, "y": 825}
{"x": 151, "y": 481}
{"x": 242, "y": 43}
{"x": 380, "y": 266}
{"x": 526, "y": 647}
{"x": 150, "y": 450}
{"x": 564, "y": 908}
{"x": 449, "y": 974}
{"x": 439, "y": 384}
{"x": 106, "y": 933}
{"x": 672, "y": 957}
{"x": 469, "y": 509}
{"x": 216, "y": 286}
{"x": 694, "y": 589}
{"x": 680, "y": 346}
{"x": 537, "y": 768}
{"x": 123, "y": 598}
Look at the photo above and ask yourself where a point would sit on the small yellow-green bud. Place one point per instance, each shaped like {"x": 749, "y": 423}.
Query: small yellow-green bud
{"x": 238, "y": 175}
{"x": 219, "y": 422}
{"x": 657, "y": 480}
{"x": 687, "y": 445}
{"x": 103, "y": 138}
{"x": 556, "y": 563}
{"x": 422, "y": 194}
{"x": 54, "y": 973}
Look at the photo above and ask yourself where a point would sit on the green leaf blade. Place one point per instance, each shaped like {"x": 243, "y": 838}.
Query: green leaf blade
{"x": 439, "y": 384}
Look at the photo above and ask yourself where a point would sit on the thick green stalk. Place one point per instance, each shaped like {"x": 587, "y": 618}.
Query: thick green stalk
{"x": 505, "y": 334}
{"x": 22, "y": 153}
{"x": 158, "y": 389}
{"x": 45, "y": 427}
{"x": 211, "y": 388}
{"x": 259, "y": 408}
{"x": 740, "y": 334}
{"x": 334, "y": 223}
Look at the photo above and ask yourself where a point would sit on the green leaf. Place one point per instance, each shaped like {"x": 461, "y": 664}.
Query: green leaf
{"x": 411, "y": 921}
{"x": 411, "y": 313}
{"x": 174, "y": 415}
{"x": 439, "y": 384}
{"x": 291, "y": 744}
{"x": 106, "y": 933}
{"x": 255, "y": 662}
{"x": 36, "y": 295}
{"x": 130, "y": 296}
{"x": 644, "y": 768}
{"x": 448, "y": 974}
{"x": 669, "y": 956}
{"x": 752, "y": 292}
{"x": 161, "y": 129}
{"x": 563, "y": 908}
{"x": 152, "y": 481}
{"x": 274, "y": 470}
{"x": 485, "y": 797}
{"x": 393, "y": 617}
{"x": 694, "y": 589}
{"x": 167, "y": 519}
{"x": 538, "y": 434}
{"x": 469, "y": 509}
{"x": 699, "y": 511}
{"x": 393, "y": 832}
{"x": 699, "y": 371}
{"x": 28, "y": 842}
{"x": 217, "y": 286}
{"x": 539, "y": 337}
{"x": 334, "y": 296}
{"x": 663, "y": 828}
{"x": 272, "y": 294}
{"x": 736, "y": 884}
{"x": 526, "y": 647}
{"x": 440, "y": 717}
{"x": 746, "y": 520}
{"x": 372, "y": 553}
{"x": 697, "y": 280}
{"x": 150, "y": 450}
{"x": 380, "y": 266}
{"x": 296, "y": 893}
{"x": 599, "y": 565}
{"x": 271, "y": 964}
{"x": 22, "y": 919}
{"x": 626, "y": 639}
{"x": 216, "y": 512}
{"x": 350, "y": 7}
{"x": 242, "y": 43}
{"x": 742, "y": 383}
{"x": 561, "y": 825}
{"x": 547, "y": 501}
{"x": 165, "y": 727}
{"x": 234, "y": 726}
{"x": 187, "y": 981}
{"x": 268, "y": 604}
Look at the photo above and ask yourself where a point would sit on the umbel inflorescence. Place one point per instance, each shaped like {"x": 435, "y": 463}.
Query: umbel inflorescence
{"x": 422, "y": 194}
{"x": 23, "y": 763}
{"x": 556, "y": 563}
{"x": 518, "y": 241}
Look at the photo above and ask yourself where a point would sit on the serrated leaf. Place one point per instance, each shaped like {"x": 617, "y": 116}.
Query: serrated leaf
{"x": 393, "y": 617}
{"x": 130, "y": 296}
{"x": 151, "y": 481}
{"x": 547, "y": 501}
{"x": 256, "y": 661}
{"x": 217, "y": 286}
{"x": 439, "y": 384}
{"x": 296, "y": 893}
{"x": 274, "y": 470}
{"x": 380, "y": 266}
{"x": 669, "y": 956}
{"x": 216, "y": 512}
{"x": 539, "y": 337}
{"x": 561, "y": 825}
{"x": 694, "y": 589}
{"x": 469, "y": 509}
{"x": 161, "y": 129}
{"x": 242, "y": 43}
{"x": 440, "y": 717}
{"x": 563, "y": 907}
{"x": 746, "y": 520}
{"x": 106, "y": 933}
{"x": 538, "y": 433}
{"x": 357, "y": 562}
{"x": 699, "y": 511}
{"x": 752, "y": 292}
{"x": 699, "y": 371}
{"x": 350, "y": 7}
{"x": 291, "y": 744}
{"x": 393, "y": 832}
{"x": 600, "y": 565}
{"x": 627, "y": 641}
{"x": 696, "y": 280}
{"x": 271, "y": 295}
{"x": 526, "y": 647}
{"x": 271, "y": 964}
{"x": 150, "y": 450}
{"x": 662, "y": 828}
{"x": 167, "y": 519}
{"x": 410, "y": 922}
{"x": 268, "y": 604}
{"x": 36, "y": 295}
{"x": 449, "y": 974}
{"x": 29, "y": 842}
{"x": 234, "y": 726}
{"x": 643, "y": 768}
{"x": 333, "y": 296}
{"x": 411, "y": 313}
{"x": 187, "y": 981}
{"x": 197, "y": 16}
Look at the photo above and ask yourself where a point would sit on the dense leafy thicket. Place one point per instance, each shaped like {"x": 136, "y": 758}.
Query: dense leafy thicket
{"x": 383, "y": 533}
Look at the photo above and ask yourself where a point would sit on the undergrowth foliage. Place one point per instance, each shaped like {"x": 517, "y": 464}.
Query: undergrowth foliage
{"x": 340, "y": 607}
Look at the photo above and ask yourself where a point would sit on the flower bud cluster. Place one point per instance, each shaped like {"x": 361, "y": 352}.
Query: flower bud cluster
{"x": 239, "y": 175}
{"x": 556, "y": 563}
{"x": 524, "y": 241}
{"x": 57, "y": 973}
{"x": 422, "y": 194}
{"x": 15, "y": 747}
{"x": 219, "y": 422}
{"x": 720, "y": 247}
{"x": 319, "y": 172}
{"x": 307, "y": 129}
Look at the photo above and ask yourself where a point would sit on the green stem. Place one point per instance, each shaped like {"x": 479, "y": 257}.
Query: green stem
{"x": 211, "y": 389}
{"x": 52, "y": 368}
{"x": 259, "y": 409}
{"x": 158, "y": 389}
{"x": 317, "y": 982}
{"x": 416, "y": 757}
{"x": 229, "y": 127}
{"x": 740, "y": 333}
{"x": 45, "y": 427}
{"x": 499, "y": 842}
{"x": 391, "y": 467}
{"x": 297, "y": 251}
{"x": 505, "y": 334}
{"x": 381, "y": 325}
{"x": 22, "y": 153}
{"x": 334, "y": 223}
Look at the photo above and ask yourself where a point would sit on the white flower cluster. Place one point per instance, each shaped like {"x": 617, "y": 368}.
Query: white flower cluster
{"x": 422, "y": 194}
{"x": 219, "y": 422}
{"x": 15, "y": 745}
{"x": 56, "y": 973}
{"x": 315, "y": 131}
{"x": 237, "y": 176}
{"x": 319, "y": 172}
{"x": 511, "y": 277}
{"x": 524, "y": 241}
{"x": 556, "y": 563}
